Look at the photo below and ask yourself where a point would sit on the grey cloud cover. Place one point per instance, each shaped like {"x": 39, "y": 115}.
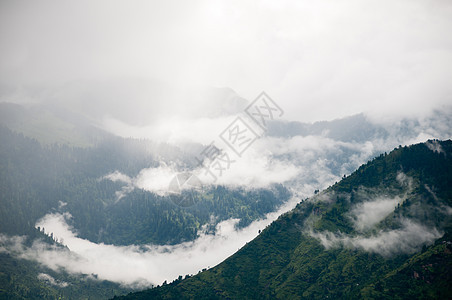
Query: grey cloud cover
{"x": 321, "y": 60}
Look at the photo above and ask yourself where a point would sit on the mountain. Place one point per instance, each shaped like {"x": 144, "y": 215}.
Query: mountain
{"x": 384, "y": 232}
{"x": 56, "y": 165}
{"x": 27, "y": 279}
{"x": 360, "y": 128}
{"x": 40, "y": 177}
{"x": 137, "y": 102}
{"x": 50, "y": 125}
{"x": 37, "y": 180}
{"x": 353, "y": 128}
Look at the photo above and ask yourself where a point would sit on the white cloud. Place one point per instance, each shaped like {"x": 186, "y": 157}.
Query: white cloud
{"x": 435, "y": 146}
{"x": 49, "y": 279}
{"x": 376, "y": 204}
{"x": 255, "y": 169}
{"x": 156, "y": 180}
{"x": 405, "y": 181}
{"x": 367, "y": 214}
{"x": 138, "y": 266}
{"x": 173, "y": 130}
{"x": 408, "y": 239}
{"x": 373, "y": 206}
{"x": 302, "y": 162}
{"x": 119, "y": 177}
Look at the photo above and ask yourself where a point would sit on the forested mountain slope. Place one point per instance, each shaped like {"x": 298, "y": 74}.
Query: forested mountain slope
{"x": 37, "y": 178}
{"x": 382, "y": 232}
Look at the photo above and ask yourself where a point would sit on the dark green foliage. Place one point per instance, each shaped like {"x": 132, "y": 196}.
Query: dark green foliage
{"x": 142, "y": 217}
{"x": 285, "y": 262}
{"x": 427, "y": 274}
{"x": 19, "y": 280}
{"x": 34, "y": 179}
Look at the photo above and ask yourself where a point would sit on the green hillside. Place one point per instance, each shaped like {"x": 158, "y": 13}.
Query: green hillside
{"x": 345, "y": 243}
{"x": 34, "y": 179}
{"x": 26, "y": 279}
{"x": 49, "y": 126}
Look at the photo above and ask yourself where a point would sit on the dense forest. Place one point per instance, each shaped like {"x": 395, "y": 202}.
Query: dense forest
{"x": 26, "y": 279}
{"x": 288, "y": 260}
{"x": 38, "y": 178}
{"x": 46, "y": 173}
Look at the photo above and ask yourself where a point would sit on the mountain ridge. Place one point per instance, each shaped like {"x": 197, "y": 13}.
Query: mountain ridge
{"x": 286, "y": 261}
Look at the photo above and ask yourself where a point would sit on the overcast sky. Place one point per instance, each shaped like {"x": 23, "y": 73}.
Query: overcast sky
{"x": 319, "y": 60}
